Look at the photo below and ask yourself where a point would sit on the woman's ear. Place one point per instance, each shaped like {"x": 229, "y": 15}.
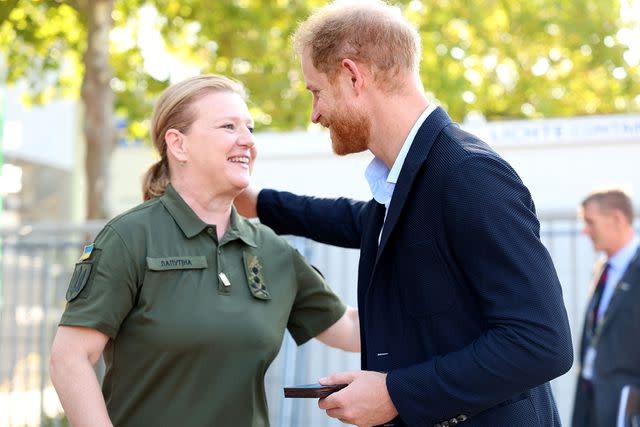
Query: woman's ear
{"x": 176, "y": 144}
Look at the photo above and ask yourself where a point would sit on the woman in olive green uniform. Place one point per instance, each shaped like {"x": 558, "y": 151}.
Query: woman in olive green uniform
{"x": 187, "y": 300}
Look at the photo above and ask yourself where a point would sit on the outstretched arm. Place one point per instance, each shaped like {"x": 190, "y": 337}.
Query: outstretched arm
{"x": 337, "y": 222}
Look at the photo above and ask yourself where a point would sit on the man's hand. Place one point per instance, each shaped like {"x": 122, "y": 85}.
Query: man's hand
{"x": 247, "y": 202}
{"x": 364, "y": 402}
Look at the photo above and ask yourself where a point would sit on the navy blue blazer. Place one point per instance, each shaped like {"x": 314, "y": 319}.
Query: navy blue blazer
{"x": 459, "y": 303}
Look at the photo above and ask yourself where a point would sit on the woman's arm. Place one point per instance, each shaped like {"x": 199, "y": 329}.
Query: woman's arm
{"x": 345, "y": 333}
{"x": 74, "y": 353}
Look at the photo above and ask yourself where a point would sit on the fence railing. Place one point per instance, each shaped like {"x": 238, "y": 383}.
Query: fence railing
{"x": 37, "y": 262}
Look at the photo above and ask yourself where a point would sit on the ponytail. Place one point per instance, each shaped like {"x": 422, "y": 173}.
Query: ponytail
{"x": 155, "y": 180}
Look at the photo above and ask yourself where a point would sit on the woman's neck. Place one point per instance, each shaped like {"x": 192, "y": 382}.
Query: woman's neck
{"x": 210, "y": 206}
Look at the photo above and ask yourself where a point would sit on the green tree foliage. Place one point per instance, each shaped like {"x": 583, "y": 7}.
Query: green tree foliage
{"x": 540, "y": 58}
{"x": 500, "y": 58}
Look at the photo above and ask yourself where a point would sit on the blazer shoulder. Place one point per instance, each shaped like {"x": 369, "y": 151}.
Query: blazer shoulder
{"x": 454, "y": 148}
{"x": 632, "y": 273}
{"x": 466, "y": 143}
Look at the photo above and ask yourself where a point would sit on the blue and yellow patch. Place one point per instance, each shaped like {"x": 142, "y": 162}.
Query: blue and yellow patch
{"x": 86, "y": 251}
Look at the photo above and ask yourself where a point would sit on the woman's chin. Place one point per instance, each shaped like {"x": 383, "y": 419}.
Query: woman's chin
{"x": 241, "y": 185}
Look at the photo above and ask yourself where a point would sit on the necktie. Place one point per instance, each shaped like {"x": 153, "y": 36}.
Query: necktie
{"x": 597, "y": 295}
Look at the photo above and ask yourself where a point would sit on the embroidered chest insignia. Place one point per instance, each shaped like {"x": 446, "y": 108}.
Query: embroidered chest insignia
{"x": 255, "y": 277}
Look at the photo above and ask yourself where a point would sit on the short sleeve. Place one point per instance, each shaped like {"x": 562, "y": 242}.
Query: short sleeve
{"x": 103, "y": 287}
{"x": 316, "y": 307}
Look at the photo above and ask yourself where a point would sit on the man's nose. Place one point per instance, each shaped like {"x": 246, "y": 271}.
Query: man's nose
{"x": 315, "y": 115}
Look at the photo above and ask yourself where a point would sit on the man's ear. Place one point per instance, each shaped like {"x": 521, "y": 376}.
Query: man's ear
{"x": 620, "y": 218}
{"x": 355, "y": 73}
{"x": 175, "y": 144}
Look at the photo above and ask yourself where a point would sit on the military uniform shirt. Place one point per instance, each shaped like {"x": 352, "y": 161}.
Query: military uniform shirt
{"x": 193, "y": 323}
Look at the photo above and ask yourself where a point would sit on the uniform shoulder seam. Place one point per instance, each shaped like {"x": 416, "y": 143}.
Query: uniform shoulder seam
{"x": 124, "y": 242}
{"x": 143, "y": 206}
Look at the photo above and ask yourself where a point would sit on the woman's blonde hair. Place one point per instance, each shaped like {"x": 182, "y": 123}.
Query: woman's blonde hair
{"x": 173, "y": 110}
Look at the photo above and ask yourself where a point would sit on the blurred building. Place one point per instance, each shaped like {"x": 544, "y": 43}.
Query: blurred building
{"x": 38, "y": 145}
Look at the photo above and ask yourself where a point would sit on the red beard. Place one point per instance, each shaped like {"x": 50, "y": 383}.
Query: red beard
{"x": 350, "y": 131}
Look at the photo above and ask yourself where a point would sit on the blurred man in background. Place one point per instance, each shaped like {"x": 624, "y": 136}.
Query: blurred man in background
{"x": 609, "y": 351}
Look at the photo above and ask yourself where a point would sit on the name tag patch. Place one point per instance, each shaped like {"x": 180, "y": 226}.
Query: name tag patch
{"x": 177, "y": 263}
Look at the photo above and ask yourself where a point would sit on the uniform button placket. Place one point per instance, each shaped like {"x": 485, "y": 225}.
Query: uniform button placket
{"x": 224, "y": 282}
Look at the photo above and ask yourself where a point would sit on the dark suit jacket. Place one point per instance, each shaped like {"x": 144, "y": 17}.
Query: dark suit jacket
{"x": 460, "y": 303}
{"x": 618, "y": 354}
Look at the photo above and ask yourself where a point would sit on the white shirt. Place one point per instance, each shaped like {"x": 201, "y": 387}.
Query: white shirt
{"x": 382, "y": 181}
{"x": 618, "y": 264}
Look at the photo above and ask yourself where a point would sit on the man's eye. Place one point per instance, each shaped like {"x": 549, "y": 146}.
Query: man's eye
{"x": 229, "y": 126}
{"x": 250, "y": 128}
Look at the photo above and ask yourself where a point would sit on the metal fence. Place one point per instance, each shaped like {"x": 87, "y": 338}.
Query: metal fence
{"x": 37, "y": 262}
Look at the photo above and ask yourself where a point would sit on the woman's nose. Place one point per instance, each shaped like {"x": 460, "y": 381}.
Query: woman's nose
{"x": 247, "y": 138}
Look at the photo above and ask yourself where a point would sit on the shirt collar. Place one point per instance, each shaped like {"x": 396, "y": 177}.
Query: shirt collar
{"x": 394, "y": 173}
{"x": 191, "y": 225}
{"x": 621, "y": 259}
{"x": 240, "y": 228}
{"x": 376, "y": 175}
{"x": 382, "y": 181}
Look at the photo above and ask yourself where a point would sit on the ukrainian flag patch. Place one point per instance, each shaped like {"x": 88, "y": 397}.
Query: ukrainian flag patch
{"x": 86, "y": 251}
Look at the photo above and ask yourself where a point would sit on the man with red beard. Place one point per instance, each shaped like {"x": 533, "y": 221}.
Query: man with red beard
{"x": 461, "y": 310}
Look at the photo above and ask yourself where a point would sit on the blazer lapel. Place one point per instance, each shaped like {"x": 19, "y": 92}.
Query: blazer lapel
{"x": 370, "y": 240}
{"x": 629, "y": 278}
{"x": 369, "y": 249}
{"x": 416, "y": 156}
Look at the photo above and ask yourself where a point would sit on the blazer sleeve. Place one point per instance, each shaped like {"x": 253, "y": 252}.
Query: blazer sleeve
{"x": 337, "y": 222}
{"x": 495, "y": 246}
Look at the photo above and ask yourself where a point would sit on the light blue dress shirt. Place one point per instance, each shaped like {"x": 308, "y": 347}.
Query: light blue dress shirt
{"x": 382, "y": 181}
{"x": 618, "y": 264}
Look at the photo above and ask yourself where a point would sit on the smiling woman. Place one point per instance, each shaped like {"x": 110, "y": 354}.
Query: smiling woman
{"x": 187, "y": 300}
{"x": 216, "y": 151}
